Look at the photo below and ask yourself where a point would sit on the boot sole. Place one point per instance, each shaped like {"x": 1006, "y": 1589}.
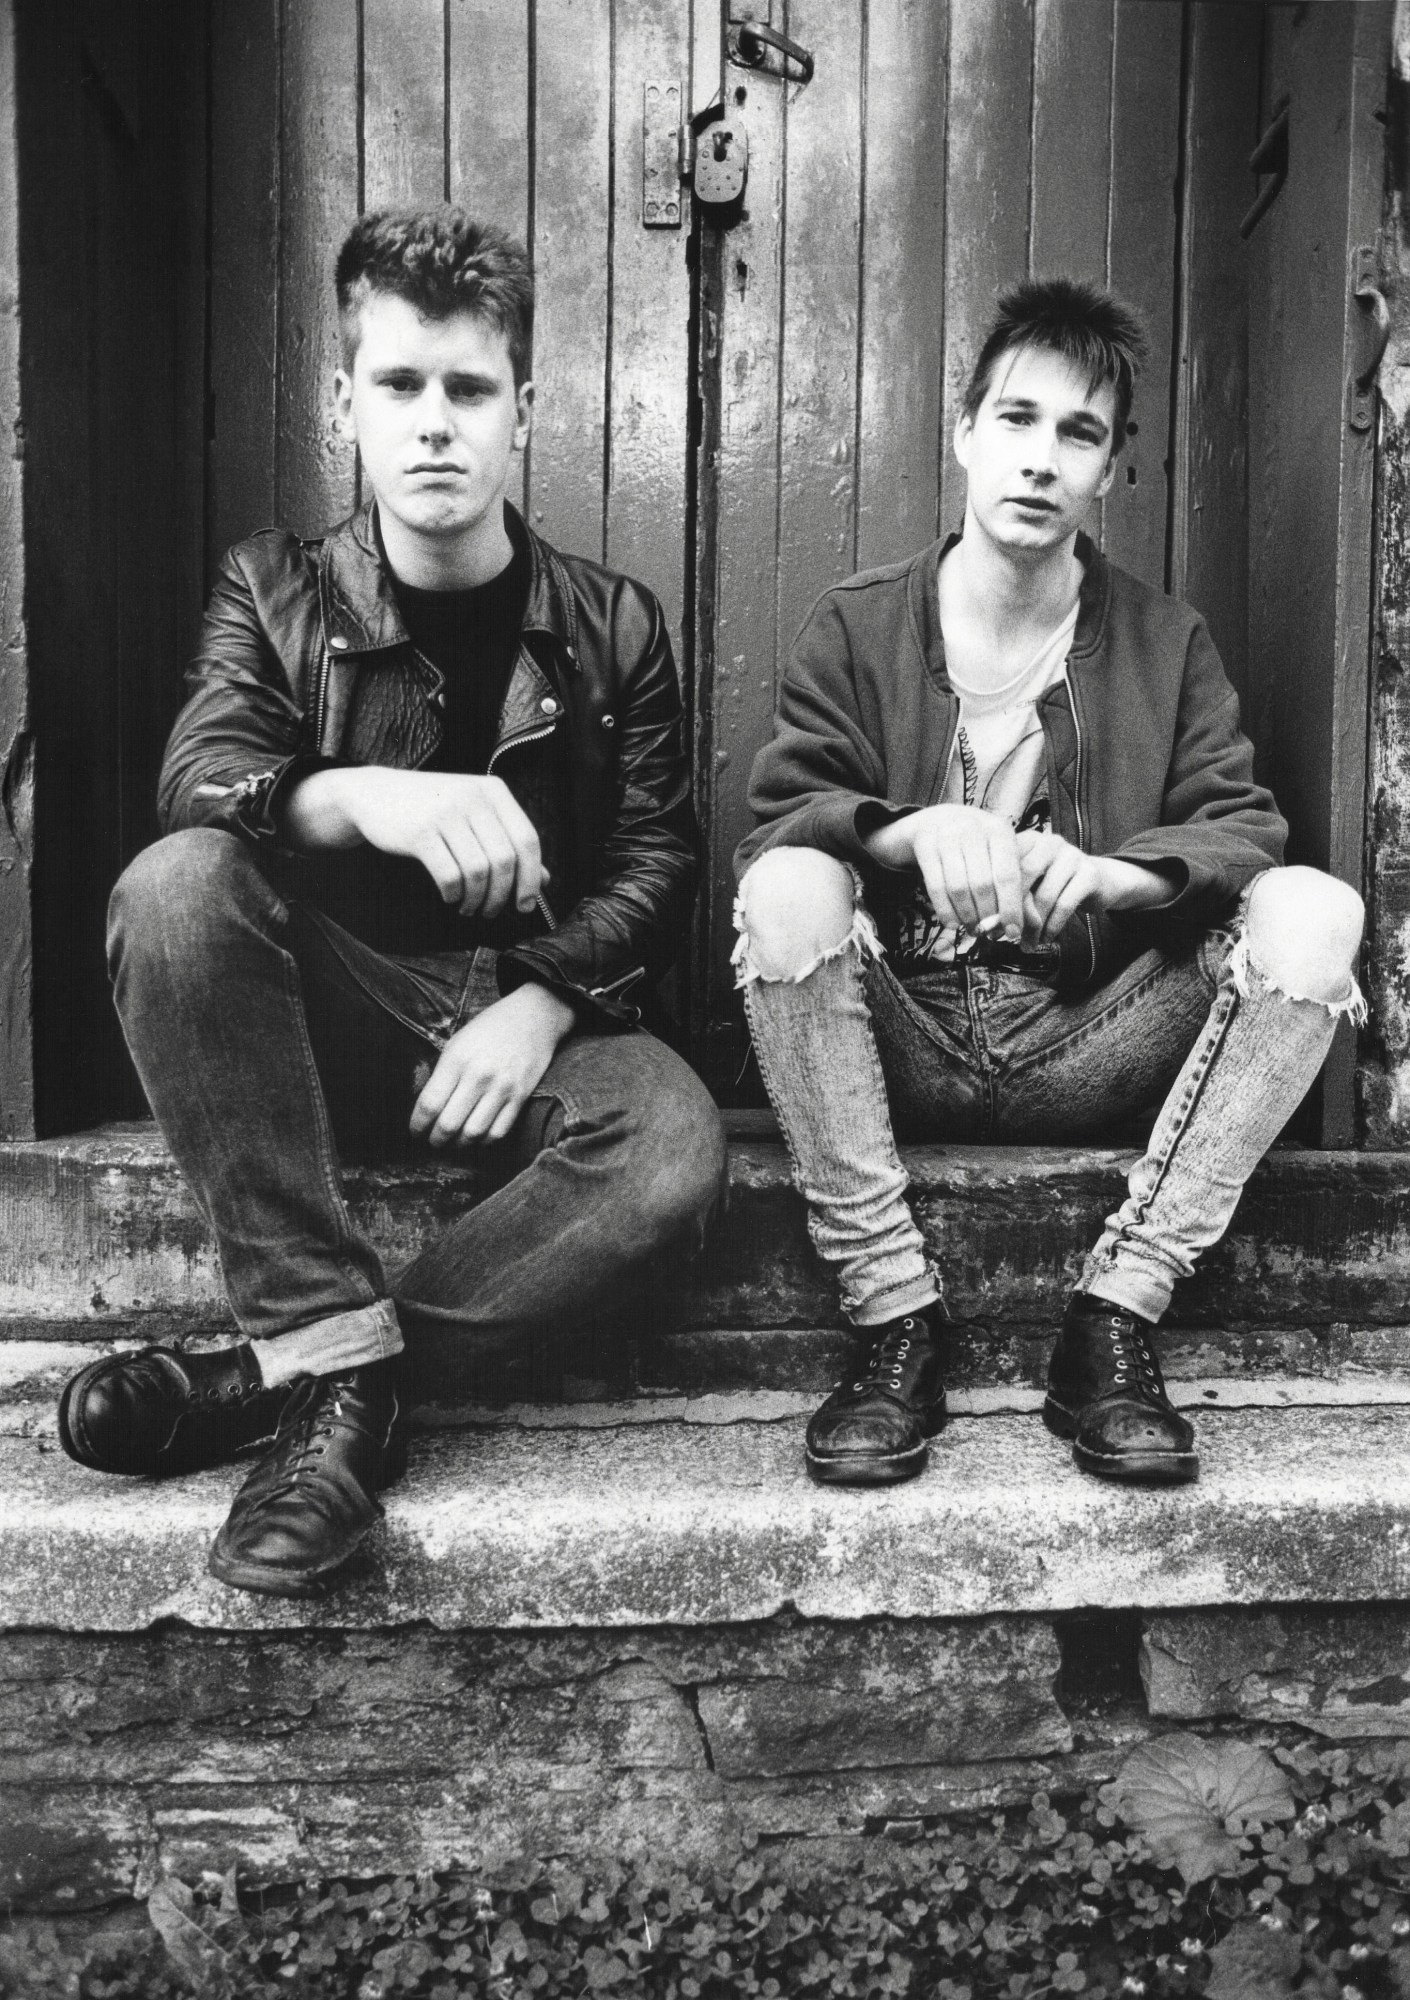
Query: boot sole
{"x": 1134, "y": 1468}
{"x": 876, "y": 1469}
{"x": 271, "y": 1582}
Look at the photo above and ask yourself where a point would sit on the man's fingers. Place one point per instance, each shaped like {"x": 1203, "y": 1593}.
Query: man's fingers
{"x": 1007, "y": 879}
{"x": 435, "y": 1095}
{"x": 520, "y": 832}
{"x": 1065, "y": 908}
{"x": 435, "y": 855}
{"x": 490, "y": 885}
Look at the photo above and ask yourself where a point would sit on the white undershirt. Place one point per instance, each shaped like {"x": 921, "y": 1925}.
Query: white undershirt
{"x": 997, "y": 759}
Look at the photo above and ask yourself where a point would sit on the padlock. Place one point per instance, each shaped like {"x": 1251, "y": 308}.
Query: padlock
{"x": 721, "y": 162}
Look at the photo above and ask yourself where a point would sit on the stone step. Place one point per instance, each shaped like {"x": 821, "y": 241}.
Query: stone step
{"x": 594, "y": 1517}
{"x": 99, "y": 1240}
{"x": 582, "y": 1627}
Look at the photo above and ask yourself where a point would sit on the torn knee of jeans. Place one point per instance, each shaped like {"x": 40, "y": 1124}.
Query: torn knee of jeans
{"x": 860, "y": 937}
{"x": 1243, "y": 966}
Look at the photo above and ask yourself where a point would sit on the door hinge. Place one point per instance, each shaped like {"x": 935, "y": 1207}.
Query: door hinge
{"x": 1374, "y": 334}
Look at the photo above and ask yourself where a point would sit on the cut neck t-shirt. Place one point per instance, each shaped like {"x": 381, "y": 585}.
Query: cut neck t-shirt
{"x": 998, "y": 762}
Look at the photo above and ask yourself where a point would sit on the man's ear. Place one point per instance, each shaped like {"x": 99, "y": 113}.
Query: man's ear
{"x": 1107, "y": 477}
{"x": 342, "y": 404}
{"x": 524, "y": 414}
{"x": 964, "y": 431}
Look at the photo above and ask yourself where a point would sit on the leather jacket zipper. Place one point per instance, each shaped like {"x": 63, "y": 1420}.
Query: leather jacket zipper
{"x": 1077, "y": 802}
{"x": 513, "y": 743}
{"x": 320, "y": 701}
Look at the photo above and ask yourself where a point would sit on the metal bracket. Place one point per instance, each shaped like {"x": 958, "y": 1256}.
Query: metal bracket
{"x": 662, "y": 147}
{"x": 1366, "y": 290}
{"x": 1269, "y": 156}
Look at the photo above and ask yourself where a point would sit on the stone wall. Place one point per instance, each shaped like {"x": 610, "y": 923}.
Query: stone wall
{"x": 354, "y": 1752}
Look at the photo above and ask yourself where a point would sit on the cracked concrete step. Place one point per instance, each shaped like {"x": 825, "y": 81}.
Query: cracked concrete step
{"x": 99, "y": 1238}
{"x": 565, "y": 1523}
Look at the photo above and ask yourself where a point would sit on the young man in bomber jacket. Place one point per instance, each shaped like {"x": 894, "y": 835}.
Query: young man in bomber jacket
{"x": 1013, "y": 879}
{"x": 429, "y": 842}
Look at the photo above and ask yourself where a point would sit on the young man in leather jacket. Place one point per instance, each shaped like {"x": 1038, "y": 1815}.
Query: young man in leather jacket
{"x": 429, "y": 843}
{"x": 1013, "y": 879}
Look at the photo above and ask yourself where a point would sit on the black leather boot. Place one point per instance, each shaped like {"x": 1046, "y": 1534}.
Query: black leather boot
{"x": 161, "y": 1411}
{"x": 872, "y": 1430}
{"x": 307, "y": 1505}
{"x": 1106, "y": 1393}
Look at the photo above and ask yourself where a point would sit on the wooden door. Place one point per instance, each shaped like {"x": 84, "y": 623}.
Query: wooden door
{"x": 938, "y": 153}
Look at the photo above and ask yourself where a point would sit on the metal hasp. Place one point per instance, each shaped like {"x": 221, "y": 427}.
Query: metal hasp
{"x": 661, "y": 203}
{"x": 1269, "y": 156}
{"x": 721, "y": 160}
{"x": 1375, "y": 321}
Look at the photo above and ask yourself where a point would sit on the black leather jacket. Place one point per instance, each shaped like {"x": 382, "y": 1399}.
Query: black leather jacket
{"x": 304, "y": 662}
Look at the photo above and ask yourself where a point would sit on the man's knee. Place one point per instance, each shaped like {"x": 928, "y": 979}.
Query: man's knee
{"x": 796, "y": 905}
{"x": 1304, "y": 931}
{"x": 185, "y": 879}
{"x": 679, "y": 1147}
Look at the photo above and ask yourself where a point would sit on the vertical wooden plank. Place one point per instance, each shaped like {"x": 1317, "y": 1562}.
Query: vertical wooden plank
{"x": 320, "y": 174}
{"x": 404, "y": 102}
{"x": 742, "y": 319}
{"x": 1209, "y": 501}
{"x": 490, "y": 164}
{"x": 1145, "y": 153}
{"x": 1351, "y": 688}
{"x": 986, "y": 194}
{"x": 573, "y": 258}
{"x": 1072, "y": 58}
{"x": 244, "y": 268}
{"x": 16, "y": 742}
{"x": 650, "y": 356}
{"x": 487, "y": 64}
{"x": 903, "y": 260}
{"x": 821, "y": 281}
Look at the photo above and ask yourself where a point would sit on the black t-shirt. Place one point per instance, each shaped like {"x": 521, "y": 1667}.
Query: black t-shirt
{"x": 472, "y": 638}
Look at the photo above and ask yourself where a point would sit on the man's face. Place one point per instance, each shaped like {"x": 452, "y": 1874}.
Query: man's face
{"x": 1038, "y": 451}
{"x": 436, "y": 416}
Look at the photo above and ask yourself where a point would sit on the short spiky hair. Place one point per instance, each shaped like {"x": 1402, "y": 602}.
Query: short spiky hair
{"x": 442, "y": 262}
{"x": 1094, "y": 330}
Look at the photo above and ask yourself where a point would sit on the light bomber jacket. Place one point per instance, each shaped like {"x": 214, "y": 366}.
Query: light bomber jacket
{"x": 1145, "y": 757}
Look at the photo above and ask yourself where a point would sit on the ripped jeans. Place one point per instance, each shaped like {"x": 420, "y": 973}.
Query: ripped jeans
{"x": 851, "y": 1055}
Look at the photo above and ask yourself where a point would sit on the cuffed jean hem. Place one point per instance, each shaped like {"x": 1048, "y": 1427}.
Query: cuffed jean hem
{"x": 328, "y": 1346}
{"x": 897, "y": 1300}
{"x": 1134, "y": 1290}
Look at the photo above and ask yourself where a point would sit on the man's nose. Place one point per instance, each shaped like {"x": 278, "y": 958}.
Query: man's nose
{"x": 1040, "y": 456}
{"x": 433, "y": 415}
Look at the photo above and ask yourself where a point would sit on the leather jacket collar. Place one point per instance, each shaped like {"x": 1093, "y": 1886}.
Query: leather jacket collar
{"x": 359, "y": 608}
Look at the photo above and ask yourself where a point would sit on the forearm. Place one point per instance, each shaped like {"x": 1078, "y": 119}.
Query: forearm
{"x": 1132, "y": 885}
{"x": 316, "y": 813}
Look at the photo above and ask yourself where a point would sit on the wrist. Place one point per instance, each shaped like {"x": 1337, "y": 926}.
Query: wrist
{"x": 543, "y": 1004}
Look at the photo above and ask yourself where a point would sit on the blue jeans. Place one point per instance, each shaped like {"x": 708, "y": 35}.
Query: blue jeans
{"x": 1200, "y": 1038}
{"x": 266, "y": 1037}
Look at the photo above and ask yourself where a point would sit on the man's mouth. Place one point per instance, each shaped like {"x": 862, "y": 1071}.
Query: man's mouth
{"x": 1034, "y": 502}
{"x": 440, "y": 468}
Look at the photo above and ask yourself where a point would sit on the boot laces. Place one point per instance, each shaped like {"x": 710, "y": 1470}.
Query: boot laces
{"x": 887, "y": 1358}
{"x": 1134, "y": 1366}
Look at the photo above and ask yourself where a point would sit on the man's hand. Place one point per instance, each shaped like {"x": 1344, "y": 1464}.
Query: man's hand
{"x": 489, "y": 1068}
{"x": 470, "y": 834}
{"x": 968, "y": 860}
{"x": 1059, "y": 880}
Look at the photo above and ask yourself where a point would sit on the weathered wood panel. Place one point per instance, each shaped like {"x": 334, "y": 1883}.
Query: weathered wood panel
{"x": 244, "y": 269}
{"x": 1209, "y": 503}
{"x": 740, "y": 329}
{"x": 818, "y": 390}
{"x": 487, "y": 110}
{"x": 573, "y": 259}
{"x": 986, "y": 194}
{"x": 649, "y": 364}
{"x": 1145, "y": 155}
{"x": 1070, "y": 181}
{"x": 404, "y": 102}
{"x": 16, "y": 740}
{"x": 903, "y": 261}
{"x": 320, "y": 178}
